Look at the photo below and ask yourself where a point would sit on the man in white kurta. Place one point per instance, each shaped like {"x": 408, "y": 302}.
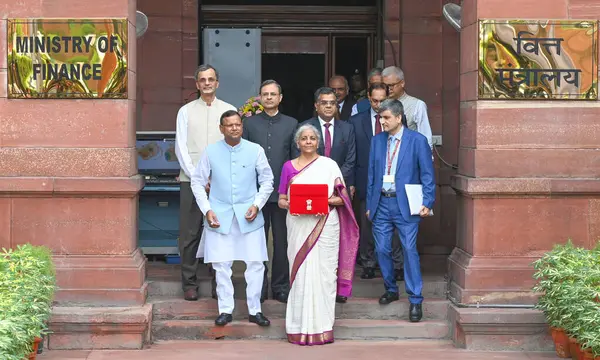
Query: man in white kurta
{"x": 414, "y": 109}
{"x": 234, "y": 225}
{"x": 197, "y": 126}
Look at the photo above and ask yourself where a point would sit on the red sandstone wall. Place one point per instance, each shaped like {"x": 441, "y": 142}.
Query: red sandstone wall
{"x": 167, "y": 58}
{"x": 428, "y": 49}
{"x": 528, "y": 170}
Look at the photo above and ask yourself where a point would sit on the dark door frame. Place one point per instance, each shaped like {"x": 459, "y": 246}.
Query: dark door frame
{"x": 299, "y": 21}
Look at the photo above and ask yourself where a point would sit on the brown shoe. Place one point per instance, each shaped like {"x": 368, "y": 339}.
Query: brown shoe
{"x": 190, "y": 295}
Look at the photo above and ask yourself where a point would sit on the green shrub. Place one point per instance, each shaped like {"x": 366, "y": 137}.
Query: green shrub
{"x": 568, "y": 280}
{"x": 27, "y": 285}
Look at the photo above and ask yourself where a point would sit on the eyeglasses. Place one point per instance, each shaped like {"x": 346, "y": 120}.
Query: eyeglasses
{"x": 325, "y": 102}
{"x": 391, "y": 86}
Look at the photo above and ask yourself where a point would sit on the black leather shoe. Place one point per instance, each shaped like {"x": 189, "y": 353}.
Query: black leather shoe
{"x": 368, "y": 273}
{"x": 259, "y": 319}
{"x": 281, "y": 297}
{"x": 399, "y": 274}
{"x": 415, "y": 312}
{"x": 341, "y": 299}
{"x": 388, "y": 297}
{"x": 223, "y": 319}
{"x": 190, "y": 295}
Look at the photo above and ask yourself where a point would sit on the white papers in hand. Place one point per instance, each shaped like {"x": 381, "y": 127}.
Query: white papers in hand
{"x": 414, "y": 193}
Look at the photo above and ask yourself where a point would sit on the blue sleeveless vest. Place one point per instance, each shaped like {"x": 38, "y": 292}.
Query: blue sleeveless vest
{"x": 233, "y": 185}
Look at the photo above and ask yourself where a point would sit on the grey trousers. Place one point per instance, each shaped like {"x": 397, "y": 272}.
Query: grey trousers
{"x": 366, "y": 250}
{"x": 190, "y": 231}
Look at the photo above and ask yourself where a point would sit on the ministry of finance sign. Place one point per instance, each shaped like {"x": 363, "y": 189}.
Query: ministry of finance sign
{"x": 535, "y": 59}
{"x": 67, "y": 58}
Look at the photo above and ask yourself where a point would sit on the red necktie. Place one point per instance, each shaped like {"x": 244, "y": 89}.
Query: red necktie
{"x": 327, "y": 140}
{"x": 377, "y": 125}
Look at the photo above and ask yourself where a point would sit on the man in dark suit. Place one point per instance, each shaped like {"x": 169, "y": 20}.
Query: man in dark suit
{"x": 339, "y": 84}
{"x": 337, "y": 137}
{"x": 399, "y": 156}
{"x": 274, "y": 132}
{"x": 366, "y": 125}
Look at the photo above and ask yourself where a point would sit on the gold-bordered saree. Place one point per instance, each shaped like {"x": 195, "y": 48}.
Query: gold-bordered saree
{"x": 322, "y": 255}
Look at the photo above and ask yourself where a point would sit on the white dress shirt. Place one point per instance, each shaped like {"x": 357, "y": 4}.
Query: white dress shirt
{"x": 354, "y": 109}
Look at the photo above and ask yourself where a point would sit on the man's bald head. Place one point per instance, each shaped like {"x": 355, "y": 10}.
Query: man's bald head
{"x": 339, "y": 84}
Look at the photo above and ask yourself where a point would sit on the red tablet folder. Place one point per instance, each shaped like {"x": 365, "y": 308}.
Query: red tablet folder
{"x": 309, "y": 199}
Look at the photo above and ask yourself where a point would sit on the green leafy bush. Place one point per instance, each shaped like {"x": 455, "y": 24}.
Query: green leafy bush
{"x": 27, "y": 285}
{"x": 568, "y": 280}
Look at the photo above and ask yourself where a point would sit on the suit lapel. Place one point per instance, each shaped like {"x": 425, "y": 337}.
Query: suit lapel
{"x": 317, "y": 124}
{"x": 343, "y": 110}
{"x": 366, "y": 125}
{"x": 337, "y": 136}
{"x": 403, "y": 146}
{"x": 383, "y": 150}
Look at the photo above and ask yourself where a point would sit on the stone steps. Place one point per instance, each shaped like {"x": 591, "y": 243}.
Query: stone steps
{"x": 344, "y": 329}
{"x": 165, "y": 280}
{"x": 361, "y": 318}
{"x": 175, "y": 308}
{"x": 434, "y": 287}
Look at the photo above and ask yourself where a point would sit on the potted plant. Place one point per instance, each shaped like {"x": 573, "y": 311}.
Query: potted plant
{"x": 549, "y": 272}
{"x": 586, "y": 329}
{"x": 568, "y": 280}
{"x": 27, "y": 285}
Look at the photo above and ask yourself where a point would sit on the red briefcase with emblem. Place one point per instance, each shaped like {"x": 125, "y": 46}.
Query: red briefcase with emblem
{"x": 309, "y": 199}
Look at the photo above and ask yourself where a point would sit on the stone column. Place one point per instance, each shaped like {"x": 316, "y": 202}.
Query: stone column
{"x": 68, "y": 181}
{"x": 427, "y": 49}
{"x": 528, "y": 178}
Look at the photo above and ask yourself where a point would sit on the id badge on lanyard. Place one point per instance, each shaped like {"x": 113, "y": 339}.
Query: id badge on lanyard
{"x": 387, "y": 177}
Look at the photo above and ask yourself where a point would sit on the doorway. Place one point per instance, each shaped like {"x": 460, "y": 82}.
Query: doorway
{"x": 299, "y": 76}
{"x": 351, "y": 60}
{"x": 302, "y": 64}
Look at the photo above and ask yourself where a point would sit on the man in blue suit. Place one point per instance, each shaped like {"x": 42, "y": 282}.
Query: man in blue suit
{"x": 399, "y": 156}
{"x": 366, "y": 125}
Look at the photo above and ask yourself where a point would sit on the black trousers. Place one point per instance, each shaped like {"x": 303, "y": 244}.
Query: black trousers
{"x": 366, "y": 250}
{"x": 280, "y": 269}
{"x": 190, "y": 231}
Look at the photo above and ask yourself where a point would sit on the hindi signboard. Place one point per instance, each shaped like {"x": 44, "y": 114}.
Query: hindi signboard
{"x": 538, "y": 59}
{"x": 67, "y": 58}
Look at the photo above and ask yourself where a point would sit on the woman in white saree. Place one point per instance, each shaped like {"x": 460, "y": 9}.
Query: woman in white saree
{"x": 321, "y": 249}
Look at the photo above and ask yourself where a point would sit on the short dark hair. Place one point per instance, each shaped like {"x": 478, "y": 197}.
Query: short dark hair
{"x": 379, "y": 86}
{"x": 269, "y": 82}
{"x": 228, "y": 113}
{"x": 395, "y": 107}
{"x": 324, "y": 90}
{"x": 205, "y": 67}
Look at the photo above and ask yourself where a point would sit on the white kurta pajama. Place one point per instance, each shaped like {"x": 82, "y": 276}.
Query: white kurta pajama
{"x": 221, "y": 247}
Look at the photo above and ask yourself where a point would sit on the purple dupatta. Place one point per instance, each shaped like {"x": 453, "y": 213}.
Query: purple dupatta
{"x": 349, "y": 238}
